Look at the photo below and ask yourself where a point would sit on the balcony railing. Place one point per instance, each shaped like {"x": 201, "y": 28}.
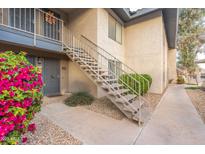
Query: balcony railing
{"x": 33, "y": 21}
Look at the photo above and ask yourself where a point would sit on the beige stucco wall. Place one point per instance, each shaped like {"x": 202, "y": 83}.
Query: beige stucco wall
{"x": 93, "y": 24}
{"x": 78, "y": 81}
{"x": 144, "y": 47}
{"x": 81, "y": 22}
{"x": 172, "y": 73}
{"x": 144, "y": 50}
{"x": 111, "y": 46}
{"x": 84, "y": 22}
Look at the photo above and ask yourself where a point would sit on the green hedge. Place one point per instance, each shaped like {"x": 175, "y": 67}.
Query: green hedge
{"x": 180, "y": 80}
{"x": 128, "y": 79}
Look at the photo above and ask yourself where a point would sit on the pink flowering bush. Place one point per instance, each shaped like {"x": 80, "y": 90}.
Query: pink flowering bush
{"x": 20, "y": 96}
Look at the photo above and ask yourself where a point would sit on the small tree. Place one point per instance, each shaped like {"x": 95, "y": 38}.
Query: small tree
{"x": 191, "y": 25}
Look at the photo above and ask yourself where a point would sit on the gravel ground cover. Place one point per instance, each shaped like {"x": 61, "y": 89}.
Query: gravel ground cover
{"x": 54, "y": 99}
{"x": 198, "y": 99}
{"x": 154, "y": 99}
{"x": 106, "y": 107}
{"x": 49, "y": 133}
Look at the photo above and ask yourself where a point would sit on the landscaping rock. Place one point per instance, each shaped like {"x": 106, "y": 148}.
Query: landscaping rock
{"x": 198, "y": 99}
{"x": 49, "y": 133}
{"x": 106, "y": 107}
{"x": 153, "y": 99}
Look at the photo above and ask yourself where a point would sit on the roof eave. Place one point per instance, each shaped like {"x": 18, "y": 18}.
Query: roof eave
{"x": 170, "y": 16}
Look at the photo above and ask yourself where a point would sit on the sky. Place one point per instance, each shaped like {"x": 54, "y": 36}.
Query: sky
{"x": 134, "y": 9}
{"x": 201, "y": 56}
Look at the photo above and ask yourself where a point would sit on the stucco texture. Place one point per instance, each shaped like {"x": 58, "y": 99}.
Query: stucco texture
{"x": 145, "y": 51}
{"x": 78, "y": 81}
{"x": 93, "y": 24}
{"x": 172, "y": 73}
{"x": 114, "y": 48}
{"x": 144, "y": 47}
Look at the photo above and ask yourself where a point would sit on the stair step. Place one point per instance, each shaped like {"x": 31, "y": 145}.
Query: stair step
{"x": 107, "y": 75}
{"x": 66, "y": 49}
{"x": 120, "y": 91}
{"x": 91, "y": 63}
{"x": 82, "y": 58}
{"x": 136, "y": 106}
{"x": 75, "y": 51}
{"x": 145, "y": 115}
{"x": 88, "y": 62}
{"x": 100, "y": 71}
{"x": 130, "y": 109}
{"x": 107, "y": 80}
{"x": 90, "y": 66}
{"x": 128, "y": 97}
{"x": 130, "y": 104}
{"x": 116, "y": 85}
{"x": 101, "y": 75}
{"x": 105, "y": 86}
{"x": 70, "y": 52}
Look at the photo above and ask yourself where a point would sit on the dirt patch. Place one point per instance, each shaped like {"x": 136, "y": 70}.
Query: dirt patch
{"x": 106, "y": 107}
{"x": 198, "y": 99}
{"x": 55, "y": 99}
{"x": 49, "y": 133}
{"x": 154, "y": 99}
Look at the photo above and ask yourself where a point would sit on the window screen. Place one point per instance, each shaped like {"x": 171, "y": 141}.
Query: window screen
{"x": 114, "y": 30}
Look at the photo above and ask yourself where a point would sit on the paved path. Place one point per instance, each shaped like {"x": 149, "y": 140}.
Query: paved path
{"x": 91, "y": 127}
{"x": 175, "y": 121}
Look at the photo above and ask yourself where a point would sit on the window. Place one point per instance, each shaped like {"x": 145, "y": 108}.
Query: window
{"x": 114, "y": 68}
{"x": 114, "y": 30}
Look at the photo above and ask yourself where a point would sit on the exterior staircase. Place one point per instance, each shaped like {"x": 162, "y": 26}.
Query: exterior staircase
{"x": 105, "y": 71}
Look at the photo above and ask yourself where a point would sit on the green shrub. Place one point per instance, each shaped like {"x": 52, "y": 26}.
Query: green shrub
{"x": 193, "y": 88}
{"x": 79, "y": 98}
{"x": 180, "y": 80}
{"x": 142, "y": 83}
{"x": 149, "y": 78}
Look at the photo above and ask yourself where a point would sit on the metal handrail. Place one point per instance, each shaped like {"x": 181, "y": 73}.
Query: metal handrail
{"x": 134, "y": 72}
{"x": 110, "y": 85}
{"x": 115, "y": 75}
{"x": 79, "y": 49}
{"x": 79, "y": 41}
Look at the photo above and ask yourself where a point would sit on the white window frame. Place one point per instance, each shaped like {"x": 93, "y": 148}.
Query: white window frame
{"x": 116, "y": 23}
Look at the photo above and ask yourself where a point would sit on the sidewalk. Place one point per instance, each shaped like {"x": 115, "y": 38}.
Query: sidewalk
{"x": 91, "y": 127}
{"x": 175, "y": 121}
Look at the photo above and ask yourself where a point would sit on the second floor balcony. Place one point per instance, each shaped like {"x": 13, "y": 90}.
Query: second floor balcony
{"x": 40, "y": 28}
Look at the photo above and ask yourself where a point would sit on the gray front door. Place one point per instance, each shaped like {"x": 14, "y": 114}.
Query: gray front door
{"x": 51, "y": 73}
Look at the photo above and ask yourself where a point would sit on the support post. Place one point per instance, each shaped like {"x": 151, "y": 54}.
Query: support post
{"x": 34, "y": 34}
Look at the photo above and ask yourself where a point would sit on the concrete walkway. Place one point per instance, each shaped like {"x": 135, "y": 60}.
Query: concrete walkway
{"x": 91, "y": 127}
{"x": 175, "y": 121}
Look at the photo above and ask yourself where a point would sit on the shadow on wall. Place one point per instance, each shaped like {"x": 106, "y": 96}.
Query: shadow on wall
{"x": 77, "y": 86}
